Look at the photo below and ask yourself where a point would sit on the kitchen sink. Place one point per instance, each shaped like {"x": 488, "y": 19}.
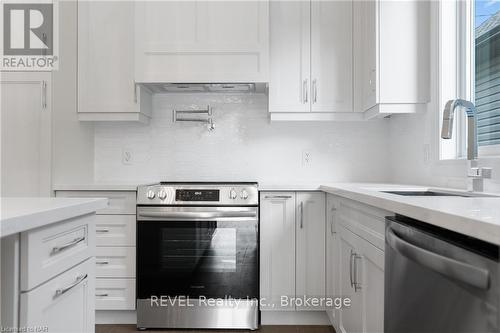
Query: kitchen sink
{"x": 431, "y": 193}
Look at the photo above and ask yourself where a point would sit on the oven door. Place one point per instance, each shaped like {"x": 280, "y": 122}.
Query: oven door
{"x": 197, "y": 252}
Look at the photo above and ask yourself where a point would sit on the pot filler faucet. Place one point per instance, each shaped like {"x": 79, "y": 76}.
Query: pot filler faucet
{"x": 475, "y": 174}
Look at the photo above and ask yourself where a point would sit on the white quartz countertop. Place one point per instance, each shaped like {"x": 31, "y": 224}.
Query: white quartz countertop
{"x": 289, "y": 187}
{"x": 22, "y": 214}
{"x": 478, "y": 217}
{"x": 96, "y": 187}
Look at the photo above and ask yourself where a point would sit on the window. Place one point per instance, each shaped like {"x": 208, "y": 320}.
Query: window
{"x": 470, "y": 69}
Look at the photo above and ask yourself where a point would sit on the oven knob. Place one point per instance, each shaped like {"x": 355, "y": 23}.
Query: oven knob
{"x": 232, "y": 194}
{"x": 162, "y": 194}
{"x": 244, "y": 194}
{"x": 150, "y": 194}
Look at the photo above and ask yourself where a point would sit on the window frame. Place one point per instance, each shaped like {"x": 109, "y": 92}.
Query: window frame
{"x": 464, "y": 84}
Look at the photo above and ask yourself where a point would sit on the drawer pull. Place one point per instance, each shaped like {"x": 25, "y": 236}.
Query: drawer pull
{"x": 102, "y": 262}
{"x": 278, "y": 197}
{"x": 75, "y": 241}
{"x": 102, "y": 231}
{"x": 101, "y": 295}
{"x": 79, "y": 280}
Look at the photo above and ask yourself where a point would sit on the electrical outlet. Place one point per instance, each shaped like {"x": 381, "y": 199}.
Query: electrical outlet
{"x": 306, "y": 158}
{"x": 127, "y": 156}
{"x": 427, "y": 153}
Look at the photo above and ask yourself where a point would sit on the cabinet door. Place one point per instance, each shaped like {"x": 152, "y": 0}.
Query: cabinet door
{"x": 310, "y": 247}
{"x": 106, "y": 57}
{"x": 202, "y": 41}
{"x": 331, "y": 56}
{"x": 366, "y": 52}
{"x": 332, "y": 256}
{"x": 25, "y": 134}
{"x": 351, "y": 318}
{"x": 289, "y": 82}
{"x": 63, "y": 304}
{"x": 370, "y": 278}
{"x": 277, "y": 249}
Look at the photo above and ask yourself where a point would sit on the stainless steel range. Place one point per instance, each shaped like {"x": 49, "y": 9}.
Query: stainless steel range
{"x": 198, "y": 255}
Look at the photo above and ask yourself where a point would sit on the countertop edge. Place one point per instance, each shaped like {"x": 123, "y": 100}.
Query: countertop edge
{"x": 18, "y": 224}
{"x": 479, "y": 229}
{"x": 95, "y": 187}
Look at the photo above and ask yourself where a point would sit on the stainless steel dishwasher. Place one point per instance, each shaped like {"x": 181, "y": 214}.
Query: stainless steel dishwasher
{"x": 438, "y": 281}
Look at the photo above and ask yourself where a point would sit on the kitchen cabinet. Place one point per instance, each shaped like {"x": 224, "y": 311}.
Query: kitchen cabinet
{"x": 63, "y": 304}
{"x": 332, "y": 254}
{"x": 292, "y": 255}
{"x": 310, "y": 247}
{"x": 277, "y": 249}
{"x": 26, "y": 133}
{"x": 311, "y": 57}
{"x": 115, "y": 233}
{"x": 201, "y": 41}
{"x": 391, "y": 71}
{"x": 359, "y": 275}
{"x": 107, "y": 90}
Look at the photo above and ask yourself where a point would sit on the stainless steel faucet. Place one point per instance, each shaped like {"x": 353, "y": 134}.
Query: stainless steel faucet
{"x": 475, "y": 174}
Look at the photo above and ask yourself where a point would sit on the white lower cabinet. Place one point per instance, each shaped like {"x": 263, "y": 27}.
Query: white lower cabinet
{"x": 115, "y": 294}
{"x": 292, "y": 250}
{"x": 332, "y": 250}
{"x": 355, "y": 266}
{"x": 115, "y": 233}
{"x": 310, "y": 248}
{"x": 63, "y": 304}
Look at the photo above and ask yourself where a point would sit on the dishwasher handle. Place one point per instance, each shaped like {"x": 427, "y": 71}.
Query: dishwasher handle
{"x": 474, "y": 276}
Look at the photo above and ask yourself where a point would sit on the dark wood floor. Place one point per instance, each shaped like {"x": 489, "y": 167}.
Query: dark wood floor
{"x": 263, "y": 329}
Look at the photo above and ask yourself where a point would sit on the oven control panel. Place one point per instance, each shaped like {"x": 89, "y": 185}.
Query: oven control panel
{"x": 199, "y": 194}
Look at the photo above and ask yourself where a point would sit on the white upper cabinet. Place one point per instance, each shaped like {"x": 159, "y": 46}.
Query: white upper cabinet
{"x": 289, "y": 56}
{"x": 331, "y": 56}
{"x": 201, "y": 41}
{"x": 106, "y": 84}
{"x": 310, "y": 56}
{"x": 391, "y": 55}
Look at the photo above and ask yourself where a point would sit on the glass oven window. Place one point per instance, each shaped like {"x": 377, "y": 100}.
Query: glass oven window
{"x": 197, "y": 258}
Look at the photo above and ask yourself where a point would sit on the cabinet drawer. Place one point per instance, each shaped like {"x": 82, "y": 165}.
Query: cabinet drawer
{"x": 116, "y": 262}
{"x": 49, "y": 251}
{"x": 119, "y": 202}
{"x": 365, "y": 221}
{"x": 115, "y": 230}
{"x": 115, "y": 294}
{"x": 63, "y": 304}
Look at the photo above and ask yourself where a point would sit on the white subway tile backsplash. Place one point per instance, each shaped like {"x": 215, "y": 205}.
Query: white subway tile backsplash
{"x": 244, "y": 146}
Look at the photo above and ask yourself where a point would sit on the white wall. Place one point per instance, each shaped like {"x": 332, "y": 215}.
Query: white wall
{"x": 244, "y": 146}
{"x": 411, "y": 136}
{"x": 73, "y": 141}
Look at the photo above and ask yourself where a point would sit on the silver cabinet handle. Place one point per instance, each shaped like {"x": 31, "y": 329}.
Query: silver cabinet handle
{"x": 301, "y": 207}
{"x": 64, "y": 290}
{"x": 102, "y": 231}
{"x": 44, "y": 94}
{"x": 102, "y": 295}
{"x": 332, "y": 231}
{"x": 278, "y": 197}
{"x": 356, "y": 283}
{"x": 350, "y": 268}
{"x": 66, "y": 246}
{"x": 102, "y": 262}
{"x": 305, "y": 91}
{"x": 460, "y": 271}
{"x": 315, "y": 91}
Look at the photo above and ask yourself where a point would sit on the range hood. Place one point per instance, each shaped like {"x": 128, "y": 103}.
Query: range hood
{"x": 240, "y": 88}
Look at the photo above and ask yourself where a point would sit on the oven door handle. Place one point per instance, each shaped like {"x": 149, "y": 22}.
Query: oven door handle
{"x": 197, "y": 215}
{"x": 460, "y": 271}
